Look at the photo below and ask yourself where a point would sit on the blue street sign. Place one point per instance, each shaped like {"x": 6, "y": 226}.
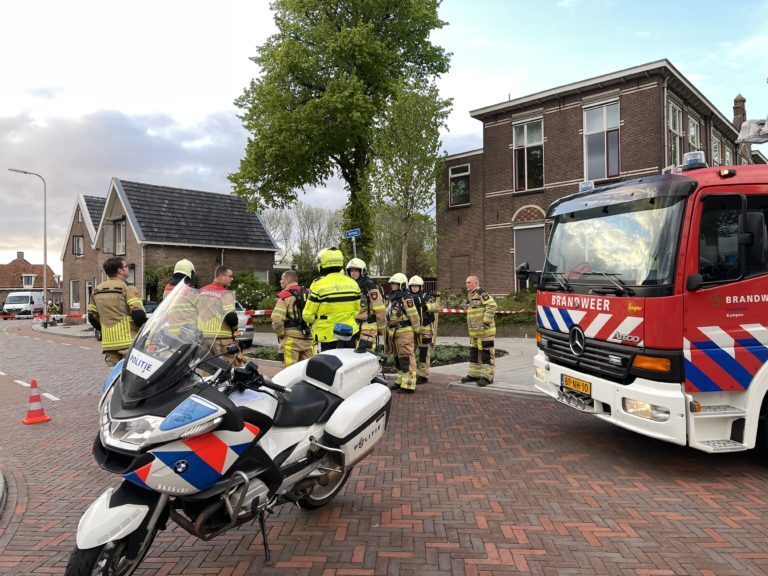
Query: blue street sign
{"x": 352, "y": 233}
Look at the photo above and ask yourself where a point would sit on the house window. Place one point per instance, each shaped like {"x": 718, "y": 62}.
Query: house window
{"x": 78, "y": 246}
{"x": 601, "y": 141}
{"x": 458, "y": 182}
{"x": 120, "y": 238}
{"x": 27, "y": 280}
{"x": 528, "y": 144}
{"x": 728, "y": 156}
{"x": 715, "y": 151}
{"x": 675, "y": 134}
{"x": 79, "y": 216}
{"x": 694, "y": 136}
{"x": 74, "y": 294}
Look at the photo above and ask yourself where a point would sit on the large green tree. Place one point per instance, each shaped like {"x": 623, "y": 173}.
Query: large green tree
{"x": 327, "y": 76}
{"x": 407, "y": 158}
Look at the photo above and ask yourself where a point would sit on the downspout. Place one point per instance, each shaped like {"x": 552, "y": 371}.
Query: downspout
{"x": 222, "y": 256}
{"x": 143, "y": 289}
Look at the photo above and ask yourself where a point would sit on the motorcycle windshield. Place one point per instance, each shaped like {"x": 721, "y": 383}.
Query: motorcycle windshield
{"x": 173, "y": 341}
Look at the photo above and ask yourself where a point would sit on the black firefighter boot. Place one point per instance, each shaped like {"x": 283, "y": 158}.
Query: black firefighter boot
{"x": 470, "y": 379}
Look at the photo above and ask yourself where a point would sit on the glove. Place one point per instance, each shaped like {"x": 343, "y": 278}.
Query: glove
{"x": 139, "y": 317}
{"x": 93, "y": 322}
{"x": 231, "y": 319}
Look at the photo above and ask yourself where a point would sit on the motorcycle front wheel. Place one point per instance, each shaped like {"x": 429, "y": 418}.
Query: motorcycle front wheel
{"x": 107, "y": 560}
{"x": 321, "y": 495}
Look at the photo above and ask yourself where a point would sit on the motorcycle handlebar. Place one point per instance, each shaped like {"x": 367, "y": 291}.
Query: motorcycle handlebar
{"x": 261, "y": 381}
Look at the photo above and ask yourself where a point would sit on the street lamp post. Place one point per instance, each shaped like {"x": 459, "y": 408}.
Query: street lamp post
{"x": 45, "y": 242}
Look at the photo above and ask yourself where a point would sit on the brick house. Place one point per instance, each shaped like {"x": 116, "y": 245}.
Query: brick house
{"x": 155, "y": 226}
{"x": 19, "y": 275}
{"x": 636, "y": 122}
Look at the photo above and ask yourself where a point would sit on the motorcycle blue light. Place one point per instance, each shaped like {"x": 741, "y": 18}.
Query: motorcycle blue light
{"x": 112, "y": 375}
{"x": 192, "y": 409}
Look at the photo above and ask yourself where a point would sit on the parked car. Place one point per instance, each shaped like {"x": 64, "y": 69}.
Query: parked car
{"x": 23, "y": 304}
{"x": 244, "y": 332}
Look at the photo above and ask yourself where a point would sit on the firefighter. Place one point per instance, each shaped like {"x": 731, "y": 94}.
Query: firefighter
{"x": 481, "y": 310}
{"x": 116, "y": 310}
{"x": 217, "y": 318}
{"x": 403, "y": 325}
{"x": 372, "y": 316}
{"x": 425, "y": 305}
{"x": 293, "y": 334}
{"x": 334, "y": 299}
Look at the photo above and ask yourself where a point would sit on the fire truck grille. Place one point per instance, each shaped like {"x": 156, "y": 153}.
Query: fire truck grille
{"x": 600, "y": 359}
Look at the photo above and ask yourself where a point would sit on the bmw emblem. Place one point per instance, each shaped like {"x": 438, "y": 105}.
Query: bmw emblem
{"x": 181, "y": 466}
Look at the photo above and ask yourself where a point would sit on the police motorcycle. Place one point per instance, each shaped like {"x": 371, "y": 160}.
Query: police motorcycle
{"x": 211, "y": 447}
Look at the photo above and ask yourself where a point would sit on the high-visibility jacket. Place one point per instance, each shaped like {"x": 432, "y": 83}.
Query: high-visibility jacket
{"x": 481, "y": 310}
{"x": 402, "y": 313}
{"x": 286, "y": 318}
{"x": 183, "y": 312}
{"x": 372, "y": 308}
{"x": 111, "y": 305}
{"x": 215, "y": 302}
{"x": 333, "y": 299}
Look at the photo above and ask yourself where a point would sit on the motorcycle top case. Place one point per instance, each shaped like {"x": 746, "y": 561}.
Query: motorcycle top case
{"x": 359, "y": 422}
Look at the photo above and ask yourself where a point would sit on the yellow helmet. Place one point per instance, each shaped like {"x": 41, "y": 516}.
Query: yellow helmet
{"x": 416, "y": 281}
{"x": 329, "y": 260}
{"x": 399, "y": 278}
{"x": 356, "y": 263}
{"x": 184, "y": 267}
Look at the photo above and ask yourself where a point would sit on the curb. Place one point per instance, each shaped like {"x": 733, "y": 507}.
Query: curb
{"x": 3, "y": 492}
{"x": 516, "y": 391}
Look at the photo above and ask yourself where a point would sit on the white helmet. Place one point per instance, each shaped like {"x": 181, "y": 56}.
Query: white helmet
{"x": 356, "y": 263}
{"x": 416, "y": 281}
{"x": 184, "y": 267}
{"x": 400, "y": 279}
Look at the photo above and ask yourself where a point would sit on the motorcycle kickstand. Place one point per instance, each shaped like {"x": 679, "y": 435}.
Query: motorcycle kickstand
{"x": 263, "y": 525}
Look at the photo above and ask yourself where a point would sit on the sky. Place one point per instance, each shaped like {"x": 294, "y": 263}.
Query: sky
{"x": 144, "y": 90}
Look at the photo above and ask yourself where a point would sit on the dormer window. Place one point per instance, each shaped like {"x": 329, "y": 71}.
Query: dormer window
{"x": 28, "y": 280}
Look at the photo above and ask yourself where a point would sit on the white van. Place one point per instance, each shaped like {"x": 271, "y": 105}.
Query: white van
{"x": 24, "y": 303}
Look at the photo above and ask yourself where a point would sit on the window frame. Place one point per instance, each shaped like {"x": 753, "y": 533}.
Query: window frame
{"x": 28, "y": 281}
{"x": 517, "y": 186}
{"x": 74, "y": 289}
{"x": 694, "y": 146}
{"x": 78, "y": 240}
{"x": 464, "y": 175}
{"x": 606, "y": 131}
{"x": 120, "y": 239}
{"x": 715, "y": 145}
{"x": 676, "y": 137}
{"x": 728, "y": 156}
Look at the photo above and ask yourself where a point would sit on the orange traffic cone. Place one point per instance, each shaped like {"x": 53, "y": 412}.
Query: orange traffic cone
{"x": 35, "y": 414}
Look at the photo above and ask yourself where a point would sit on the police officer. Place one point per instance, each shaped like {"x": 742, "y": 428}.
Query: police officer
{"x": 481, "y": 310}
{"x": 217, "y": 317}
{"x": 334, "y": 298}
{"x": 293, "y": 335}
{"x": 403, "y": 325}
{"x": 425, "y": 305}
{"x": 372, "y": 316}
{"x": 116, "y": 310}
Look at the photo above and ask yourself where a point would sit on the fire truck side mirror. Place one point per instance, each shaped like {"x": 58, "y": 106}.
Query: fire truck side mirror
{"x": 694, "y": 282}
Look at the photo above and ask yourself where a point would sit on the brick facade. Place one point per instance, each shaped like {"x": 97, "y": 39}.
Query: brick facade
{"x": 83, "y": 272}
{"x": 479, "y": 238}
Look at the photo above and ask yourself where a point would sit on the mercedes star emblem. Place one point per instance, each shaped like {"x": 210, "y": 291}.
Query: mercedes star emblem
{"x": 577, "y": 340}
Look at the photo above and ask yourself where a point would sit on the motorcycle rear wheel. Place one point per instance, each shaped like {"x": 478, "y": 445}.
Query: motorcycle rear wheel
{"x": 321, "y": 495}
{"x": 106, "y": 560}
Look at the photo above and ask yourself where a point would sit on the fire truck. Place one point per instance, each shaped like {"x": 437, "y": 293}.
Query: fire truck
{"x": 652, "y": 306}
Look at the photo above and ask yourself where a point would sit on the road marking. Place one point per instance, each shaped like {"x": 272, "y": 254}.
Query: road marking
{"x": 35, "y": 338}
{"x": 22, "y": 383}
{"x": 3, "y": 374}
{"x": 51, "y": 341}
{"x": 85, "y": 347}
{"x": 65, "y": 344}
{"x": 50, "y": 396}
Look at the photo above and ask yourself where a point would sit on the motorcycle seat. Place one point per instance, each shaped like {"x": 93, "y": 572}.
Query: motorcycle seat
{"x": 322, "y": 368}
{"x": 305, "y": 405}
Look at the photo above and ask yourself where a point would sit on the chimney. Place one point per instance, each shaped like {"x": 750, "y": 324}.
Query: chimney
{"x": 739, "y": 111}
{"x": 19, "y": 255}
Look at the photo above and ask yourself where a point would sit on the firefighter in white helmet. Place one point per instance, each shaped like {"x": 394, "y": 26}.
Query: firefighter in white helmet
{"x": 372, "y": 316}
{"x": 425, "y": 305}
{"x": 403, "y": 325}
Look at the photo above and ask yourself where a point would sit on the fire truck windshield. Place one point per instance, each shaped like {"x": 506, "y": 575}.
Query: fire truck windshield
{"x": 628, "y": 243}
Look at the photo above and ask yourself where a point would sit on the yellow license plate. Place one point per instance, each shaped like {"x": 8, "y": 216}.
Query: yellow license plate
{"x": 577, "y": 385}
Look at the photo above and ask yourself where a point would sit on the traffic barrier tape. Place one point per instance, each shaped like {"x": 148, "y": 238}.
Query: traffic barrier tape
{"x": 441, "y": 311}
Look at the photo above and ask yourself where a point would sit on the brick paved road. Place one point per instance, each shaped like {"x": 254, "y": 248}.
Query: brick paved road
{"x": 465, "y": 482}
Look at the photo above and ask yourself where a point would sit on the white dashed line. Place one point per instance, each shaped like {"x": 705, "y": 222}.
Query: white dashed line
{"x": 50, "y": 396}
{"x": 85, "y": 347}
{"x": 3, "y": 374}
{"x": 35, "y": 338}
{"x": 51, "y": 341}
{"x": 65, "y": 344}
{"x": 25, "y": 384}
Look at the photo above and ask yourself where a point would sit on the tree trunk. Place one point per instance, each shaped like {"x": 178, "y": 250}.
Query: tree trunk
{"x": 404, "y": 255}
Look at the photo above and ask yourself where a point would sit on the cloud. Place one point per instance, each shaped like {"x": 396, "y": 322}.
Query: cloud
{"x": 82, "y": 155}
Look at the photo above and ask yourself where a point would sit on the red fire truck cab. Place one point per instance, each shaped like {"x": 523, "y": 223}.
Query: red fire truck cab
{"x": 652, "y": 307}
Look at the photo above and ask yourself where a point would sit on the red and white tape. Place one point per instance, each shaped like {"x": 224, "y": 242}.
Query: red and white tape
{"x": 441, "y": 311}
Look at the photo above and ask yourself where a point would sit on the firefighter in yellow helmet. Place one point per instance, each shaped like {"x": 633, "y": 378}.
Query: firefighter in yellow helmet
{"x": 334, "y": 298}
{"x": 403, "y": 326}
{"x": 372, "y": 316}
{"x": 116, "y": 310}
{"x": 481, "y": 310}
{"x": 184, "y": 310}
{"x": 425, "y": 304}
